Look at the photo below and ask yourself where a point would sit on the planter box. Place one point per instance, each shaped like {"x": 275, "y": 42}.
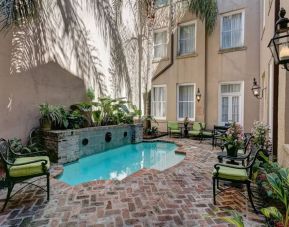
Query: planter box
{"x": 66, "y": 146}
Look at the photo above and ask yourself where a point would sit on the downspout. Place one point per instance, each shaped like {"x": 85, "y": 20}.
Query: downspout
{"x": 171, "y": 60}
{"x": 276, "y": 93}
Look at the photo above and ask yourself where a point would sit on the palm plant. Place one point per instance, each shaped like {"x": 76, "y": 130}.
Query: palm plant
{"x": 206, "y": 10}
{"x": 17, "y": 12}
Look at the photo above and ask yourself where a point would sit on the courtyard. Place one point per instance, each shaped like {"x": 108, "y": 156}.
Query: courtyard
{"x": 179, "y": 196}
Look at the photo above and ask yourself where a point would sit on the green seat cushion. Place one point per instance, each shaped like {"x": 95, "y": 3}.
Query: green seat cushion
{"x": 241, "y": 151}
{"x": 207, "y": 133}
{"x": 173, "y": 125}
{"x": 231, "y": 173}
{"x": 197, "y": 126}
{"x": 28, "y": 169}
{"x": 194, "y": 133}
{"x": 176, "y": 131}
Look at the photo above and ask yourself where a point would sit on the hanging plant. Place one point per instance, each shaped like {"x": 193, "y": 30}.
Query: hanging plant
{"x": 17, "y": 12}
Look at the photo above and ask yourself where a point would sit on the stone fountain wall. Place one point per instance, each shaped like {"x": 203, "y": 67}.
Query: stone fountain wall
{"x": 66, "y": 146}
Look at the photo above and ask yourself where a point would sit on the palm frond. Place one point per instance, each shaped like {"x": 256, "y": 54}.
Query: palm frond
{"x": 206, "y": 10}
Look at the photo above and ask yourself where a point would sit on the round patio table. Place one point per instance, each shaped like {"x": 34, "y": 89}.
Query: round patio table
{"x": 231, "y": 160}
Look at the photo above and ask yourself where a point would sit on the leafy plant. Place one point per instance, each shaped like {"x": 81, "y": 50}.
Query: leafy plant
{"x": 90, "y": 94}
{"x": 236, "y": 219}
{"x": 17, "y": 146}
{"x": 75, "y": 119}
{"x": 234, "y": 137}
{"x": 85, "y": 110}
{"x": 260, "y": 134}
{"x": 55, "y": 116}
{"x": 278, "y": 180}
{"x": 206, "y": 10}
{"x": 148, "y": 120}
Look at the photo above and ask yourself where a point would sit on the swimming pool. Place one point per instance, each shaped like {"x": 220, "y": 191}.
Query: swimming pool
{"x": 121, "y": 162}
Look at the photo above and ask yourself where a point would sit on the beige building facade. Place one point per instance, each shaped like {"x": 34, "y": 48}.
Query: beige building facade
{"x": 220, "y": 65}
{"x": 274, "y": 106}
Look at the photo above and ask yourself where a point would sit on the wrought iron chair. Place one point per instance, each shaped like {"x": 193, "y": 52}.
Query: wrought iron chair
{"x": 235, "y": 174}
{"x": 21, "y": 167}
{"x": 197, "y": 129}
{"x": 173, "y": 128}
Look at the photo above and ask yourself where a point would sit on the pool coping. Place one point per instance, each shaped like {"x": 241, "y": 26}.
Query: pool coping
{"x": 57, "y": 169}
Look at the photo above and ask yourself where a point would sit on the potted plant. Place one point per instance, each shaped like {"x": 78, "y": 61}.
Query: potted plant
{"x": 49, "y": 114}
{"x": 234, "y": 139}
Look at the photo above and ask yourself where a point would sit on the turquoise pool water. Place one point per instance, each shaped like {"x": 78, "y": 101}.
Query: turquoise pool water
{"x": 121, "y": 162}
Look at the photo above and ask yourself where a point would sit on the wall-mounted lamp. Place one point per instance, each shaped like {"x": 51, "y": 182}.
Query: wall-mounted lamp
{"x": 198, "y": 95}
{"x": 279, "y": 44}
{"x": 257, "y": 91}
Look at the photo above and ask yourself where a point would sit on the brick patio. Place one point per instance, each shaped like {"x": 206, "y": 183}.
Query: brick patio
{"x": 179, "y": 196}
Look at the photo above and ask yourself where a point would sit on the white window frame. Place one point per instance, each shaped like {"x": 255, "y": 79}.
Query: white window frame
{"x": 162, "y": 5}
{"x": 194, "y": 102}
{"x": 242, "y": 11}
{"x": 194, "y": 22}
{"x": 241, "y": 94}
{"x": 152, "y": 101}
{"x": 264, "y": 14}
{"x": 166, "y": 43}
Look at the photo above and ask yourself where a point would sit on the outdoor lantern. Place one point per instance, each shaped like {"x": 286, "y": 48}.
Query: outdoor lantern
{"x": 279, "y": 44}
{"x": 198, "y": 95}
{"x": 256, "y": 89}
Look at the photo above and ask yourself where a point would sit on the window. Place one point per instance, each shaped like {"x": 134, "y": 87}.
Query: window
{"x": 160, "y": 3}
{"x": 231, "y": 103}
{"x": 232, "y": 30}
{"x": 186, "y": 101}
{"x": 159, "y": 101}
{"x": 160, "y": 44}
{"x": 187, "y": 37}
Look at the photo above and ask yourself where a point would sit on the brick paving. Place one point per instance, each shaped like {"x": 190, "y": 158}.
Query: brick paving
{"x": 179, "y": 196}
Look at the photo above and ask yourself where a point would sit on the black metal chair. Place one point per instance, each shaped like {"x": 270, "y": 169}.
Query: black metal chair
{"x": 21, "y": 167}
{"x": 218, "y": 134}
{"x": 235, "y": 174}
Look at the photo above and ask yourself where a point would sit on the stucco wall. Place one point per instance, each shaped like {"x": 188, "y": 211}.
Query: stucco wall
{"x": 73, "y": 45}
{"x": 283, "y": 110}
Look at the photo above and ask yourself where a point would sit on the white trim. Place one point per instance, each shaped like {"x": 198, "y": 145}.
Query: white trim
{"x": 160, "y": 30}
{"x": 195, "y": 44}
{"x": 264, "y": 14}
{"x": 242, "y": 11}
{"x": 271, "y": 95}
{"x": 152, "y": 106}
{"x": 242, "y": 99}
{"x": 194, "y": 101}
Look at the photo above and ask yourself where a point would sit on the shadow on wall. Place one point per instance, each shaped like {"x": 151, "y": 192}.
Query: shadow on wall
{"x": 54, "y": 60}
{"x": 61, "y": 35}
{"x": 22, "y": 94}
